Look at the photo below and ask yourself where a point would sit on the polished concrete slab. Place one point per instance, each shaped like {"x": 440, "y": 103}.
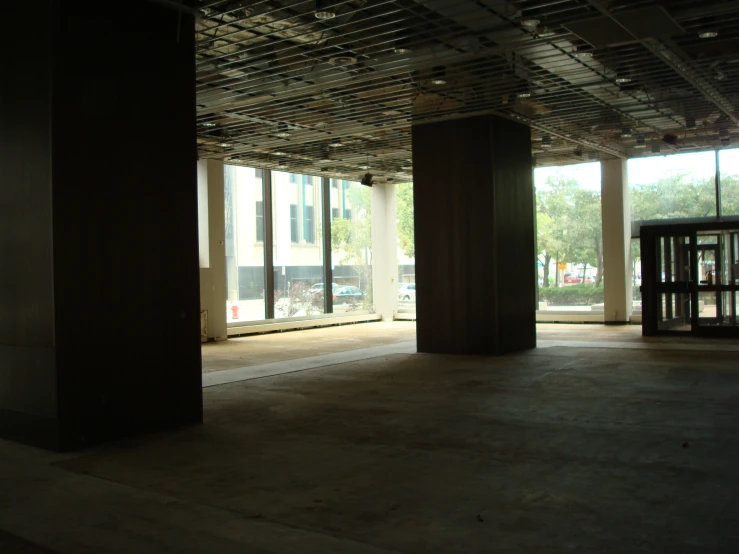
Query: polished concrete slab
{"x": 560, "y": 449}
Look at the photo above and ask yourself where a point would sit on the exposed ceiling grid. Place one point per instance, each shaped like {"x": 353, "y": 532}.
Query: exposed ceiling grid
{"x": 280, "y": 88}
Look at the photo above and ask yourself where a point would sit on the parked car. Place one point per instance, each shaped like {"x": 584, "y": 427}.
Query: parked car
{"x": 345, "y": 295}
{"x": 407, "y": 291}
{"x": 572, "y": 279}
{"x": 317, "y": 288}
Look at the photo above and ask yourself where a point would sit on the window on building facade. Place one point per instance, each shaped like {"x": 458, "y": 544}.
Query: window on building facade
{"x": 260, "y": 220}
{"x": 351, "y": 245}
{"x": 298, "y": 256}
{"x": 244, "y": 233}
{"x": 294, "y": 236}
{"x": 569, "y": 238}
{"x": 309, "y": 225}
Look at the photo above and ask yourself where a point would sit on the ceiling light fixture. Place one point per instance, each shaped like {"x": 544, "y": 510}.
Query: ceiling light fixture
{"x": 438, "y": 76}
{"x": 336, "y": 143}
{"x": 344, "y": 59}
{"x": 225, "y": 144}
{"x": 582, "y": 54}
{"x": 530, "y": 24}
{"x": 546, "y": 141}
{"x": 283, "y": 131}
{"x": 708, "y": 34}
{"x": 524, "y": 95}
{"x": 324, "y": 10}
{"x": 278, "y": 153}
{"x": 402, "y": 43}
{"x": 208, "y": 124}
{"x": 626, "y": 132}
{"x": 641, "y": 142}
{"x": 623, "y": 79}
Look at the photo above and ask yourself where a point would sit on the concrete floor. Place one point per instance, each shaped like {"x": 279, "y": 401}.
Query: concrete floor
{"x": 566, "y": 448}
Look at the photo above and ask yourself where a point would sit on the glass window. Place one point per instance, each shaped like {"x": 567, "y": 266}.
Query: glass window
{"x": 244, "y": 244}
{"x": 260, "y": 220}
{"x": 729, "y": 167}
{"x": 676, "y": 186}
{"x": 406, "y": 249}
{"x": 569, "y": 237}
{"x": 351, "y": 245}
{"x": 294, "y": 223}
{"x": 298, "y": 254}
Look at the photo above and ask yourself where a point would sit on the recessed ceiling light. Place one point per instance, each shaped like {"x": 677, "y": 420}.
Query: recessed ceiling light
{"x": 626, "y": 132}
{"x": 225, "y": 144}
{"x": 283, "y": 134}
{"x": 208, "y": 124}
{"x": 402, "y": 50}
{"x": 438, "y": 75}
{"x": 336, "y": 144}
{"x": 342, "y": 60}
{"x": 364, "y": 166}
{"x": 524, "y": 95}
{"x": 530, "y": 23}
{"x": 278, "y": 153}
{"x": 708, "y": 34}
{"x": 325, "y": 9}
{"x": 623, "y": 79}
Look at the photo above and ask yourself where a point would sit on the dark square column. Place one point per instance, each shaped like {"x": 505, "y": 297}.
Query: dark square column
{"x": 99, "y": 297}
{"x": 475, "y": 236}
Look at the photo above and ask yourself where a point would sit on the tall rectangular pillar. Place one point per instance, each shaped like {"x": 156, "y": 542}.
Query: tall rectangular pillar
{"x": 212, "y": 223}
{"x": 99, "y": 325}
{"x": 616, "y": 241}
{"x": 475, "y": 237}
{"x": 384, "y": 250}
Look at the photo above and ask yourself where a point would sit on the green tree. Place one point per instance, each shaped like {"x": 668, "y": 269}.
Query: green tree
{"x": 404, "y": 214}
{"x": 353, "y": 237}
{"x": 569, "y": 223}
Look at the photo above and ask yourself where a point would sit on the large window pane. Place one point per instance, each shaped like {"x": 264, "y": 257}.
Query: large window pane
{"x": 406, "y": 249}
{"x": 569, "y": 238}
{"x": 676, "y": 186}
{"x": 729, "y": 164}
{"x": 244, "y": 244}
{"x": 298, "y": 250}
{"x": 351, "y": 246}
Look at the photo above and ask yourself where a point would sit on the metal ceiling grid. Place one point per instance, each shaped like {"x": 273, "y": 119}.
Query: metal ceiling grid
{"x": 279, "y": 88}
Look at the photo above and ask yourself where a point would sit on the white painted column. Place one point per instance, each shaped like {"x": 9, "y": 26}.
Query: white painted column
{"x": 384, "y": 250}
{"x": 212, "y": 231}
{"x": 616, "y": 241}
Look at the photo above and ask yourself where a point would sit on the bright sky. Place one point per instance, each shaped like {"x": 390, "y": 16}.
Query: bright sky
{"x": 588, "y": 175}
{"x": 649, "y": 169}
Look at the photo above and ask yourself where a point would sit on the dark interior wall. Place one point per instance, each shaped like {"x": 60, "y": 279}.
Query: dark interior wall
{"x": 27, "y": 380}
{"x": 474, "y": 232}
{"x": 125, "y": 219}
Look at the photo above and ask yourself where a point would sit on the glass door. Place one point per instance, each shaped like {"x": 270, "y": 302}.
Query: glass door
{"x": 675, "y": 283}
